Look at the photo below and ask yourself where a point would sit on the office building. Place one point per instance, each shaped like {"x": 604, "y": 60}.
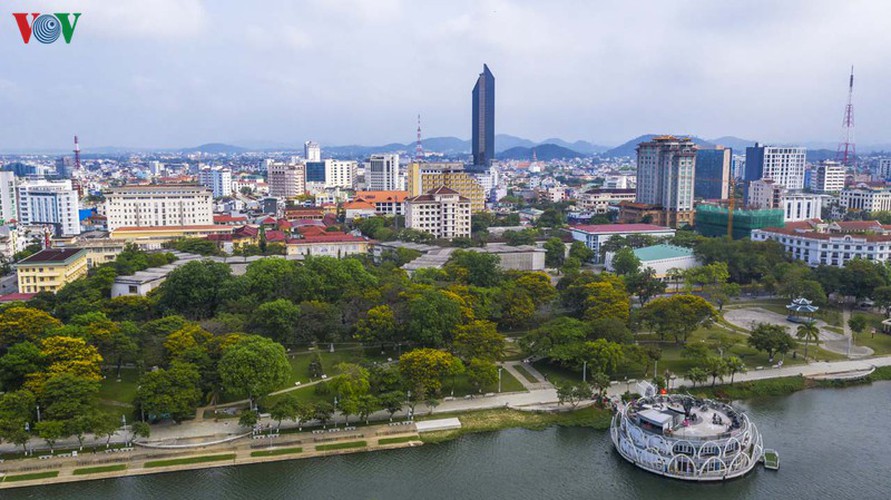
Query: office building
{"x": 159, "y": 206}
{"x": 52, "y": 203}
{"x": 50, "y": 269}
{"x": 867, "y": 200}
{"x": 312, "y": 151}
{"x": 441, "y": 212}
{"x": 483, "y": 117}
{"x": 315, "y": 172}
{"x": 382, "y": 173}
{"x": 765, "y": 194}
{"x": 340, "y": 173}
{"x": 713, "y": 173}
{"x": 782, "y": 164}
{"x": 599, "y": 201}
{"x": 802, "y": 206}
{"x": 8, "y": 203}
{"x": 666, "y": 169}
{"x": 286, "y": 180}
{"x": 218, "y": 180}
{"x": 884, "y": 169}
{"x": 828, "y": 177}
{"x": 422, "y": 177}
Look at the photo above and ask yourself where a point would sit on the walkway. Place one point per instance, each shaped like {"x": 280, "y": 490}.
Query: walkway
{"x": 541, "y": 382}
{"x": 829, "y": 340}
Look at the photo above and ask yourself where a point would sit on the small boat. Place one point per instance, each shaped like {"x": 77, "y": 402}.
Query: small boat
{"x": 771, "y": 459}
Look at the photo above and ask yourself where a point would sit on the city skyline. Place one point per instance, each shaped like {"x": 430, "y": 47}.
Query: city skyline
{"x": 154, "y": 78}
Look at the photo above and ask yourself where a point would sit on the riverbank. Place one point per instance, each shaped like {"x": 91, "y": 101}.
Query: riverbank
{"x": 495, "y": 420}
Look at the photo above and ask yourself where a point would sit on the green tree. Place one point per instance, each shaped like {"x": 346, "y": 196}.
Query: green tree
{"x": 678, "y": 315}
{"x": 392, "y": 402}
{"x": 254, "y": 366}
{"x": 279, "y": 320}
{"x": 378, "y": 326}
{"x": 581, "y": 252}
{"x": 771, "y": 339}
{"x": 174, "y": 391}
{"x": 319, "y": 321}
{"x": 479, "y": 339}
{"x": 323, "y": 412}
{"x": 809, "y": 332}
{"x": 432, "y": 317}
{"x": 352, "y": 381}
{"x": 601, "y": 382}
{"x": 20, "y": 323}
{"x": 474, "y": 268}
{"x": 481, "y": 373}
{"x": 624, "y": 262}
{"x": 51, "y": 431}
{"x": 425, "y": 369}
{"x": 734, "y": 365}
{"x": 555, "y": 252}
{"x": 105, "y": 424}
{"x": 366, "y": 405}
{"x": 19, "y": 361}
{"x": 697, "y": 375}
{"x": 139, "y": 429}
{"x": 645, "y": 284}
{"x": 248, "y": 419}
{"x": 196, "y": 289}
{"x": 858, "y": 323}
{"x": 715, "y": 367}
{"x": 283, "y": 409}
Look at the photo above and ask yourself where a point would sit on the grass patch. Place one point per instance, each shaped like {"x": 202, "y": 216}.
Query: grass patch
{"x": 32, "y": 476}
{"x": 342, "y": 446}
{"x": 493, "y": 420}
{"x": 751, "y": 389}
{"x": 397, "y": 440}
{"x": 525, "y": 373}
{"x": 881, "y": 343}
{"x": 275, "y": 453}
{"x": 190, "y": 460}
{"x": 100, "y": 469}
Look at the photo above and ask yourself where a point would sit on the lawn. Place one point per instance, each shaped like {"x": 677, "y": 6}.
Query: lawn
{"x": 117, "y": 397}
{"x": 881, "y": 343}
{"x": 190, "y": 460}
{"x": 275, "y": 453}
{"x": 100, "y": 469}
{"x": 397, "y": 440}
{"x": 525, "y": 373}
{"x": 342, "y": 446}
{"x": 32, "y": 476}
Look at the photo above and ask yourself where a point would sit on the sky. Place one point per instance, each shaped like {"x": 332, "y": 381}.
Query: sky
{"x": 178, "y": 73}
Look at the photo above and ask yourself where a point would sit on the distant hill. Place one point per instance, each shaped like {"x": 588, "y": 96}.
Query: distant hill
{"x": 580, "y": 146}
{"x": 215, "y": 148}
{"x": 503, "y": 142}
{"x": 738, "y": 145}
{"x": 457, "y": 146}
{"x": 630, "y": 147}
{"x": 544, "y": 152}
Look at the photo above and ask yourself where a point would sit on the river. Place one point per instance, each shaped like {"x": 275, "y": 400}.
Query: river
{"x": 832, "y": 444}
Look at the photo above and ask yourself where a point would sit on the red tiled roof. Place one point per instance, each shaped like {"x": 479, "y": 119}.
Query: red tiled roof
{"x": 222, "y": 219}
{"x": 306, "y": 222}
{"x": 275, "y": 236}
{"x": 311, "y": 231}
{"x": 14, "y": 297}
{"x": 358, "y": 204}
{"x": 619, "y": 228}
{"x": 327, "y": 238}
{"x": 382, "y": 196}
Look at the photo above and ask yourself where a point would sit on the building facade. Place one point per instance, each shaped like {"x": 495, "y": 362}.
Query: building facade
{"x": 385, "y": 202}
{"x": 286, "y": 180}
{"x": 8, "y": 203}
{"x": 600, "y": 201}
{"x": 422, "y": 177}
{"x": 51, "y": 269}
{"x": 49, "y": 202}
{"x": 218, "y": 180}
{"x": 312, "y": 151}
{"x": 867, "y": 200}
{"x": 382, "y": 173}
{"x": 483, "y": 118}
{"x": 159, "y": 206}
{"x": 802, "y": 206}
{"x": 782, "y": 164}
{"x": 441, "y": 212}
{"x": 595, "y": 235}
{"x": 666, "y": 169}
{"x": 713, "y": 173}
{"x": 340, "y": 173}
{"x": 765, "y": 194}
{"x": 828, "y": 177}
{"x": 816, "y": 243}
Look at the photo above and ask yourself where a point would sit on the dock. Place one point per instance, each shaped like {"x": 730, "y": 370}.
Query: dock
{"x": 771, "y": 459}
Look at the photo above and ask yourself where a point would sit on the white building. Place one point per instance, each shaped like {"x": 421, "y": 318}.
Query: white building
{"x": 595, "y": 235}
{"x": 153, "y": 206}
{"x": 868, "y": 200}
{"x": 661, "y": 259}
{"x": 312, "y": 151}
{"x": 286, "y": 180}
{"x": 599, "y": 201}
{"x": 156, "y": 168}
{"x": 831, "y": 244}
{"x": 782, "y": 164}
{"x": 382, "y": 173}
{"x": 441, "y": 212}
{"x": 217, "y": 179}
{"x": 884, "y": 169}
{"x": 828, "y": 177}
{"x": 8, "y": 205}
{"x": 802, "y": 206}
{"x": 765, "y": 193}
{"x": 49, "y": 202}
{"x": 340, "y": 173}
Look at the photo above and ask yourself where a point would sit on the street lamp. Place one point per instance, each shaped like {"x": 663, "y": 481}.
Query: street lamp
{"x": 585, "y": 371}
{"x": 38, "y": 413}
{"x": 499, "y": 378}
{"x": 334, "y": 415}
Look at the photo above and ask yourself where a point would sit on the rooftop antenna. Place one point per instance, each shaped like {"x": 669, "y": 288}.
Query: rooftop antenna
{"x": 419, "y": 149}
{"x": 76, "y": 154}
{"x": 847, "y": 153}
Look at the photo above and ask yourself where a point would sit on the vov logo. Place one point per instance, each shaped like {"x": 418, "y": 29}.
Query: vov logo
{"x": 46, "y": 28}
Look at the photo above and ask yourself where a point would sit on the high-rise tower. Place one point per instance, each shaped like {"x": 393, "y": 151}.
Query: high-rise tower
{"x": 484, "y": 118}
{"x": 846, "y": 152}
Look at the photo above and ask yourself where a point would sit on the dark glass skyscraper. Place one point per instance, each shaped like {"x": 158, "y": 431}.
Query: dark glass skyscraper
{"x": 484, "y": 118}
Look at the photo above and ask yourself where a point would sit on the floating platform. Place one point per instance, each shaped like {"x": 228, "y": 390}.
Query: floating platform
{"x": 771, "y": 459}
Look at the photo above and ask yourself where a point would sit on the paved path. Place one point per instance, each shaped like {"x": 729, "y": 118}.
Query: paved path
{"x": 829, "y": 340}
{"x": 541, "y": 382}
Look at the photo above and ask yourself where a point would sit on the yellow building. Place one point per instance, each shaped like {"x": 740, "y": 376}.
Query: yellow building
{"x": 151, "y": 237}
{"x": 51, "y": 269}
{"x": 422, "y": 177}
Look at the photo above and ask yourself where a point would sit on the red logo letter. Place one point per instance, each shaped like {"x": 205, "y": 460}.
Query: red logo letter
{"x": 24, "y": 26}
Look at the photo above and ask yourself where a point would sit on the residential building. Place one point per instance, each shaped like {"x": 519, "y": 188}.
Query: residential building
{"x": 337, "y": 245}
{"x": 50, "y": 269}
{"x": 884, "y": 168}
{"x": 152, "y": 237}
{"x": 159, "y": 206}
{"x": 441, "y": 212}
{"x": 483, "y": 119}
{"x": 661, "y": 259}
{"x": 382, "y": 173}
{"x": 666, "y": 168}
{"x": 782, "y": 164}
{"x": 286, "y": 180}
{"x": 595, "y": 235}
{"x": 358, "y": 209}
{"x": 52, "y": 203}
{"x": 634, "y": 213}
{"x": 834, "y": 244}
{"x": 340, "y": 173}
{"x": 712, "y": 173}
{"x": 599, "y": 201}
{"x": 828, "y": 177}
{"x": 8, "y": 204}
{"x": 312, "y": 151}
{"x": 867, "y": 200}
{"x": 422, "y": 177}
{"x": 765, "y": 193}
{"x": 385, "y": 202}
{"x": 217, "y": 179}
{"x": 802, "y": 206}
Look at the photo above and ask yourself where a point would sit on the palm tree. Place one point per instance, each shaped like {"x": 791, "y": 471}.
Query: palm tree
{"x": 734, "y": 365}
{"x": 808, "y": 332}
{"x": 697, "y": 376}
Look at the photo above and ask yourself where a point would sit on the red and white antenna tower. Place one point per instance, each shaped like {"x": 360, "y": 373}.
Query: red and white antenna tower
{"x": 847, "y": 153}
{"x": 419, "y": 149}
{"x": 76, "y": 154}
